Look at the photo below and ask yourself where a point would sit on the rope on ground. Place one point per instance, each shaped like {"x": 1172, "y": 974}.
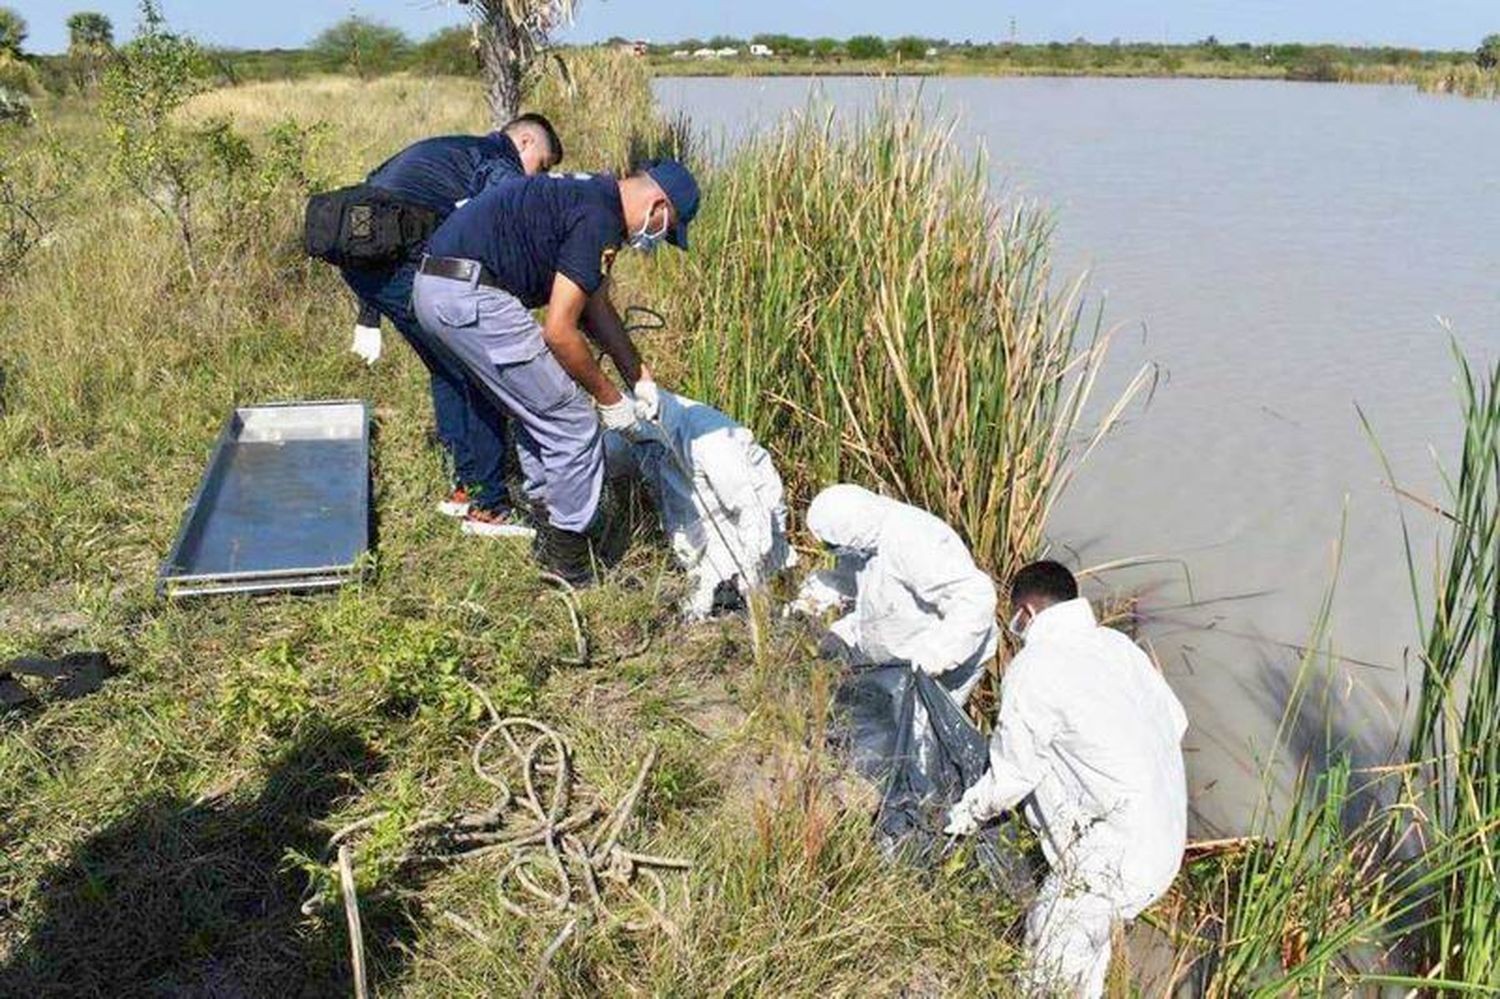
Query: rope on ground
{"x": 551, "y": 872}
{"x": 351, "y": 915}
{"x": 569, "y": 597}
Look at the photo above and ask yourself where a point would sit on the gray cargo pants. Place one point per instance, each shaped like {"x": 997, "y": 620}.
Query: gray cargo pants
{"x": 559, "y": 442}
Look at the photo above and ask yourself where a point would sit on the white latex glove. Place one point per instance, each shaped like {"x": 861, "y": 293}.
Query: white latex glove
{"x": 620, "y": 416}
{"x": 961, "y": 820}
{"x": 647, "y": 400}
{"x": 816, "y": 596}
{"x": 366, "y": 343}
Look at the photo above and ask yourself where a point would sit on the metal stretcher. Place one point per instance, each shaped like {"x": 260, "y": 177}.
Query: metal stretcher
{"x": 284, "y": 503}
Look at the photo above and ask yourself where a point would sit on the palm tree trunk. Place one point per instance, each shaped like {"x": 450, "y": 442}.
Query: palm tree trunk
{"x": 500, "y": 50}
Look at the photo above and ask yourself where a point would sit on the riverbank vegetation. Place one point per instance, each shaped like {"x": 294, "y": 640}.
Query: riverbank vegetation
{"x": 158, "y": 835}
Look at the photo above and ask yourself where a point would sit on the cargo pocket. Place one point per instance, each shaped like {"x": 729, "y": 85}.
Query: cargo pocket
{"x": 457, "y": 311}
{"x": 539, "y": 385}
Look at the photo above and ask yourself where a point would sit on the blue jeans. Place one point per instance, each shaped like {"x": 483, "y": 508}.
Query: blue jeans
{"x": 470, "y": 426}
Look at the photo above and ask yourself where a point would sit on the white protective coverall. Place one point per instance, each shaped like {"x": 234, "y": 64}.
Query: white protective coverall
{"x": 1089, "y": 727}
{"x": 736, "y": 515}
{"x": 918, "y": 596}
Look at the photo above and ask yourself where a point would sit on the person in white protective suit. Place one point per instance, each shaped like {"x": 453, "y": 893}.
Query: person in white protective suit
{"x": 1089, "y": 738}
{"x": 917, "y": 596}
{"x": 727, "y": 522}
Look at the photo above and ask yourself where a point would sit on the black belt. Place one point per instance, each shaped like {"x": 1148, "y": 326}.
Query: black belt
{"x": 458, "y": 269}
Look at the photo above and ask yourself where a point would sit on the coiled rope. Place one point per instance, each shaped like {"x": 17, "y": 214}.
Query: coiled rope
{"x": 553, "y": 872}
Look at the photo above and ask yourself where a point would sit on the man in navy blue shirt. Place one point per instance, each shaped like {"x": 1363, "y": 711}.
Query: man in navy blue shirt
{"x": 549, "y": 241}
{"x": 438, "y": 174}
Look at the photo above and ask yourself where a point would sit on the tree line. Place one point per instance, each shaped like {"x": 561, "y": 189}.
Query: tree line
{"x": 366, "y": 47}
{"x": 1080, "y": 53}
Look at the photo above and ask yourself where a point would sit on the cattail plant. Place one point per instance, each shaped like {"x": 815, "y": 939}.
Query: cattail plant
{"x": 857, "y": 297}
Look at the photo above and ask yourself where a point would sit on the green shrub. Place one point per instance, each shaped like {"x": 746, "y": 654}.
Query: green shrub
{"x": 361, "y": 46}
{"x": 865, "y": 47}
{"x": 19, "y": 77}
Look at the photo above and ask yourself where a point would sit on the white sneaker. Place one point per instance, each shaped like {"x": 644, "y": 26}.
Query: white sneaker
{"x": 456, "y": 505}
{"x": 496, "y": 524}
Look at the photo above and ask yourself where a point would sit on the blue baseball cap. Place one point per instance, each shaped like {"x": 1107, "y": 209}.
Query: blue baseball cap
{"x": 681, "y": 189}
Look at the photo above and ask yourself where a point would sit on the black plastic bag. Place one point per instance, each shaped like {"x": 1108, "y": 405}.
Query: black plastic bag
{"x": 907, "y": 734}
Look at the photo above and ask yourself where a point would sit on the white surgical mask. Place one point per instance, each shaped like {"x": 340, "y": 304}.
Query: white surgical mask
{"x": 646, "y": 241}
{"x": 1014, "y": 624}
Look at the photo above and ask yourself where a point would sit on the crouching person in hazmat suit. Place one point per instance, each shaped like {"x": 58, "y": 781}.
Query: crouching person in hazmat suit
{"x": 917, "y": 597}
{"x": 719, "y": 497}
{"x": 1090, "y": 738}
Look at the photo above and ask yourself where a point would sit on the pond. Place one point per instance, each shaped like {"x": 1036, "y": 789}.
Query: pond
{"x": 1291, "y": 255}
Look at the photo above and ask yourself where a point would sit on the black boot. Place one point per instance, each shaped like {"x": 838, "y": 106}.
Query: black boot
{"x": 567, "y": 554}
{"x": 574, "y": 555}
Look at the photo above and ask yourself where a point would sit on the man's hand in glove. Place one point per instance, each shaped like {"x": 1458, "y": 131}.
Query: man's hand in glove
{"x": 366, "y": 343}
{"x": 620, "y": 415}
{"x": 647, "y": 400}
{"x": 961, "y": 820}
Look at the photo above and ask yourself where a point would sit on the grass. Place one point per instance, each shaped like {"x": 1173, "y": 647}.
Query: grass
{"x": 157, "y": 825}
{"x": 1455, "y": 740}
{"x": 166, "y": 826}
{"x": 1465, "y": 79}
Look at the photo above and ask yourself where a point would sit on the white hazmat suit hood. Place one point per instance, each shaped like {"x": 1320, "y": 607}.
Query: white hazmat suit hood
{"x": 918, "y": 596}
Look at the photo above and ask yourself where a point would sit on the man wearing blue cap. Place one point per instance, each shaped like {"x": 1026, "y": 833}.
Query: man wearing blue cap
{"x": 549, "y": 241}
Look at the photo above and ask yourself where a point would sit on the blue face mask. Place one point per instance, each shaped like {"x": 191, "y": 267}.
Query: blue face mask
{"x": 647, "y": 241}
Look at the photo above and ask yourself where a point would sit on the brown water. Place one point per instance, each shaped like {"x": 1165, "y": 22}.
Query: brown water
{"x": 1286, "y": 252}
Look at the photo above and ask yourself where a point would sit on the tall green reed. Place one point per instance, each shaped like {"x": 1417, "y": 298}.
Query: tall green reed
{"x": 857, "y": 297}
{"x": 1387, "y": 876}
{"x": 632, "y": 129}
{"x": 1455, "y": 738}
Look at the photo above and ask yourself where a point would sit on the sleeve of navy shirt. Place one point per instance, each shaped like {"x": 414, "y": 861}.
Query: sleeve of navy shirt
{"x": 591, "y": 223}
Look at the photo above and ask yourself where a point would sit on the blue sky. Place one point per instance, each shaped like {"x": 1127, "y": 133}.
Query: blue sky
{"x": 289, "y": 23}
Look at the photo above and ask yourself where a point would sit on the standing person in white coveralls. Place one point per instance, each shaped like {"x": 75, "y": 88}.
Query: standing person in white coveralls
{"x": 727, "y": 524}
{"x": 1090, "y": 731}
{"x": 918, "y": 598}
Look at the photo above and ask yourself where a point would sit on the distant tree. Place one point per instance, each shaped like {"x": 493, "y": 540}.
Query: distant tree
{"x": 725, "y": 42}
{"x": 13, "y": 31}
{"x": 90, "y": 32}
{"x": 91, "y": 39}
{"x": 910, "y": 47}
{"x": 449, "y": 52}
{"x": 865, "y": 47}
{"x": 366, "y": 47}
{"x": 824, "y": 48}
{"x": 1488, "y": 54}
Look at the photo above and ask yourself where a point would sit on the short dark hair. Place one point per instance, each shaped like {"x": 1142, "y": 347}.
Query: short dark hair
{"x": 1050, "y": 581}
{"x": 554, "y": 141}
